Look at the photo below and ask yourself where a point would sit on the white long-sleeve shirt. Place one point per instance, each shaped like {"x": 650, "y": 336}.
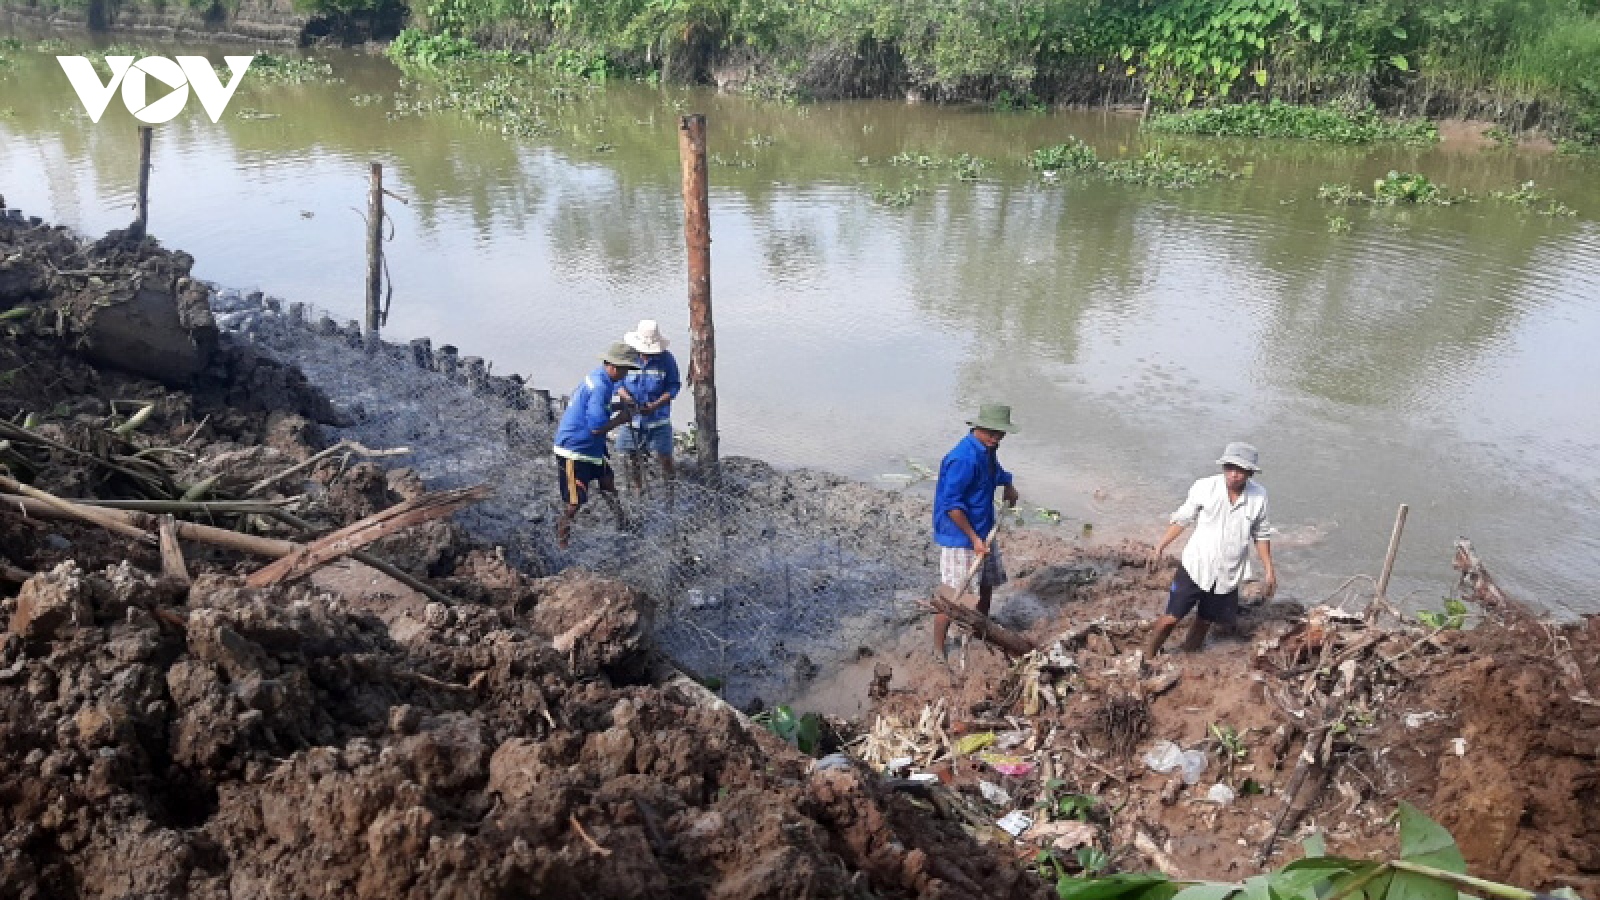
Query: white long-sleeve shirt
{"x": 1217, "y": 556}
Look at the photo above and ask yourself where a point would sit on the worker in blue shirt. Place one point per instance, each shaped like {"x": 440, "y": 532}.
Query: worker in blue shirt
{"x": 963, "y": 511}
{"x": 653, "y": 386}
{"x": 580, "y": 444}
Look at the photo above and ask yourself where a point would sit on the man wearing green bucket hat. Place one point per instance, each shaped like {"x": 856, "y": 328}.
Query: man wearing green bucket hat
{"x": 963, "y": 510}
{"x": 580, "y": 444}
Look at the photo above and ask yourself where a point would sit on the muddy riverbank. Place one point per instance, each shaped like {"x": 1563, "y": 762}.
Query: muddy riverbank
{"x": 347, "y": 735}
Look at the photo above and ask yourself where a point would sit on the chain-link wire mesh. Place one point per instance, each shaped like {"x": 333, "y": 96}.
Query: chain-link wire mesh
{"x": 760, "y": 580}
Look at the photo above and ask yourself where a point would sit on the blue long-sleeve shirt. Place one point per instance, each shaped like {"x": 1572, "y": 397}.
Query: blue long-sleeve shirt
{"x": 587, "y": 412}
{"x": 659, "y": 376}
{"x": 968, "y": 477}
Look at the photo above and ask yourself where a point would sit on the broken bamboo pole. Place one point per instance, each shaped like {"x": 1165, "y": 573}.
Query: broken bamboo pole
{"x": 345, "y": 446}
{"x": 141, "y": 219}
{"x": 103, "y": 518}
{"x": 189, "y": 531}
{"x": 983, "y": 627}
{"x": 376, "y": 562}
{"x": 307, "y": 558}
{"x": 374, "y": 253}
{"x": 702, "y": 332}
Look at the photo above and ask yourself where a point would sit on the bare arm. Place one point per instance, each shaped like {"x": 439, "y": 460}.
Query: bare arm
{"x": 959, "y": 516}
{"x": 1171, "y": 535}
{"x": 1269, "y": 582}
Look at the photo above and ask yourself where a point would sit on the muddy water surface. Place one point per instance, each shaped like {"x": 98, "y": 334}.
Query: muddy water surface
{"x": 1441, "y": 357}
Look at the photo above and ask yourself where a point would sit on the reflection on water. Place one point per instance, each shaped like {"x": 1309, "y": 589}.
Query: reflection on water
{"x": 1439, "y": 357}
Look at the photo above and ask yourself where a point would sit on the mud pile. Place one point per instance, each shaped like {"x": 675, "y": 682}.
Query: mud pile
{"x": 1492, "y": 730}
{"x": 346, "y": 735}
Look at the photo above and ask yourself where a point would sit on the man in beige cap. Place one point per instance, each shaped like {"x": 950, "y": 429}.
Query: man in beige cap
{"x": 963, "y": 510}
{"x": 1229, "y": 513}
{"x": 580, "y": 443}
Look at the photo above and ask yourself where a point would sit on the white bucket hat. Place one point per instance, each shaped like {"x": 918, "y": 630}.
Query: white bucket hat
{"x": 1242, "y": 455}
{"x": 647, "y": 337}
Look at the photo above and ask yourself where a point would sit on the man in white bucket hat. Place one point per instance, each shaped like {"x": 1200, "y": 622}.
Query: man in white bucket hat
{"x": 652, "y": 386}
{"x": 1229, "y": 514}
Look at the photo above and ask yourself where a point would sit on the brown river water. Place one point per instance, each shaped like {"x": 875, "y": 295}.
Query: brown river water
{"x": 1442, "y": 357}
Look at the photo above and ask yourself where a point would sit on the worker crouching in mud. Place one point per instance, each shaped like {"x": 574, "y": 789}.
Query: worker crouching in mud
{"x": 580, "y": 445}
{"x": 1229, "y": 513}
{"x": 964, "y": 514}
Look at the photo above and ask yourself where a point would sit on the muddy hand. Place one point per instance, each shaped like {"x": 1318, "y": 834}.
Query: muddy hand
{"x": 1011, "y": 496}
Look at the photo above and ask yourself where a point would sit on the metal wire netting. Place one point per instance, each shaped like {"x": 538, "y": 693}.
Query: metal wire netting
{"x": 759, "y": 580}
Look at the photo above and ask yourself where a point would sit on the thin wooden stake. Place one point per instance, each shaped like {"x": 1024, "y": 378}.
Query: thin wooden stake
{"x": 1394, "y": 550}
{"x": 374, "y": 253}
{"x": 142, "y": 217}
{"x": 702, "y": 333}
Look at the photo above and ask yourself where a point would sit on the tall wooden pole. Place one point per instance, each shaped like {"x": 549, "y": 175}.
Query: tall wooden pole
{"x": 374, "y": 253}
{"x": 702, "y": 333}
{"x": 142, "y": 217}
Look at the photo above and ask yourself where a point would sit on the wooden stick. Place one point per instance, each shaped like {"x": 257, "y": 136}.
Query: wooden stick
{"x": 984, "y": 627}
{"x": 356, "y": 536}
{"x": 189, "y": 531}
{"x": 1394, "y": 550}
{"x": 14, "y": 574}
{"x": 171, "y": 554}
{"x": 374, "y": 252}
{"x": 335, "y": 450}
{"x": 376, "y": 562}
{"x": 578, "y": 827}
{"x": 142, "y": 219}
{"x": 202, "y": 507}
{"x": 102, "y": 518}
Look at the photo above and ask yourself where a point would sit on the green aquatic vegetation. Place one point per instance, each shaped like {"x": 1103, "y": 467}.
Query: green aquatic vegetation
{"x": 1073, "y": 156}
{"x": 1338, "y": 225}
{"x": 965, "y": 166}
{"x": 1155, "y": 168}
{"x": 415, "y": 47}
{"x": 1407, "y": 187}
{"x": 279, "y": 69}
{"x": 1528, "y": 195}
{"x": 897, "y": 198}
{"x": 1282, "y": 120}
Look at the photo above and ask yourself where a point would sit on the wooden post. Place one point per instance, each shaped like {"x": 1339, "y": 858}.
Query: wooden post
{"x": 374, "y": 253}
{"x": 1394, "y": 549}
{"x": 142, "y": 216}
{"x": 702, "y": 333}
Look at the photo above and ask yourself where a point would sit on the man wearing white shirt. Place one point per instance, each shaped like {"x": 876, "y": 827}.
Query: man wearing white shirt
{"x": 1229, "y": 513}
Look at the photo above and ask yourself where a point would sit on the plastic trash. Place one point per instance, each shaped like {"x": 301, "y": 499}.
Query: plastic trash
{"x": 1164, "y": 757}
{"x": 1014, "y": 823}
{"x": 1220, "y": 794}
{"x": 831, "y": 763}
{"x": 1193, "y": 763}
{"x": 994, "y": 793}
{"x": 972, "y": 743}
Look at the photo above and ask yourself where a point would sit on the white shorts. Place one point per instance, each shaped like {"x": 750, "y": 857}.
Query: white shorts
{"x": 956, "y": 562}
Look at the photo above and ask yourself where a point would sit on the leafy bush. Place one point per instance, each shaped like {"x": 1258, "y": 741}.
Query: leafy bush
{"x": 1281, "y": 120}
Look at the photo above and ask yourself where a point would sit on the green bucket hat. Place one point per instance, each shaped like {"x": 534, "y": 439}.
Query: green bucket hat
{"x": 622, "y": 356}
{"x": 994, "y": 417}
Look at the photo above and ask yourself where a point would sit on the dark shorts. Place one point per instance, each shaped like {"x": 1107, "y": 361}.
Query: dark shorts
{"x": 576, "y": 476}
{"x": 1184, "y": 595}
